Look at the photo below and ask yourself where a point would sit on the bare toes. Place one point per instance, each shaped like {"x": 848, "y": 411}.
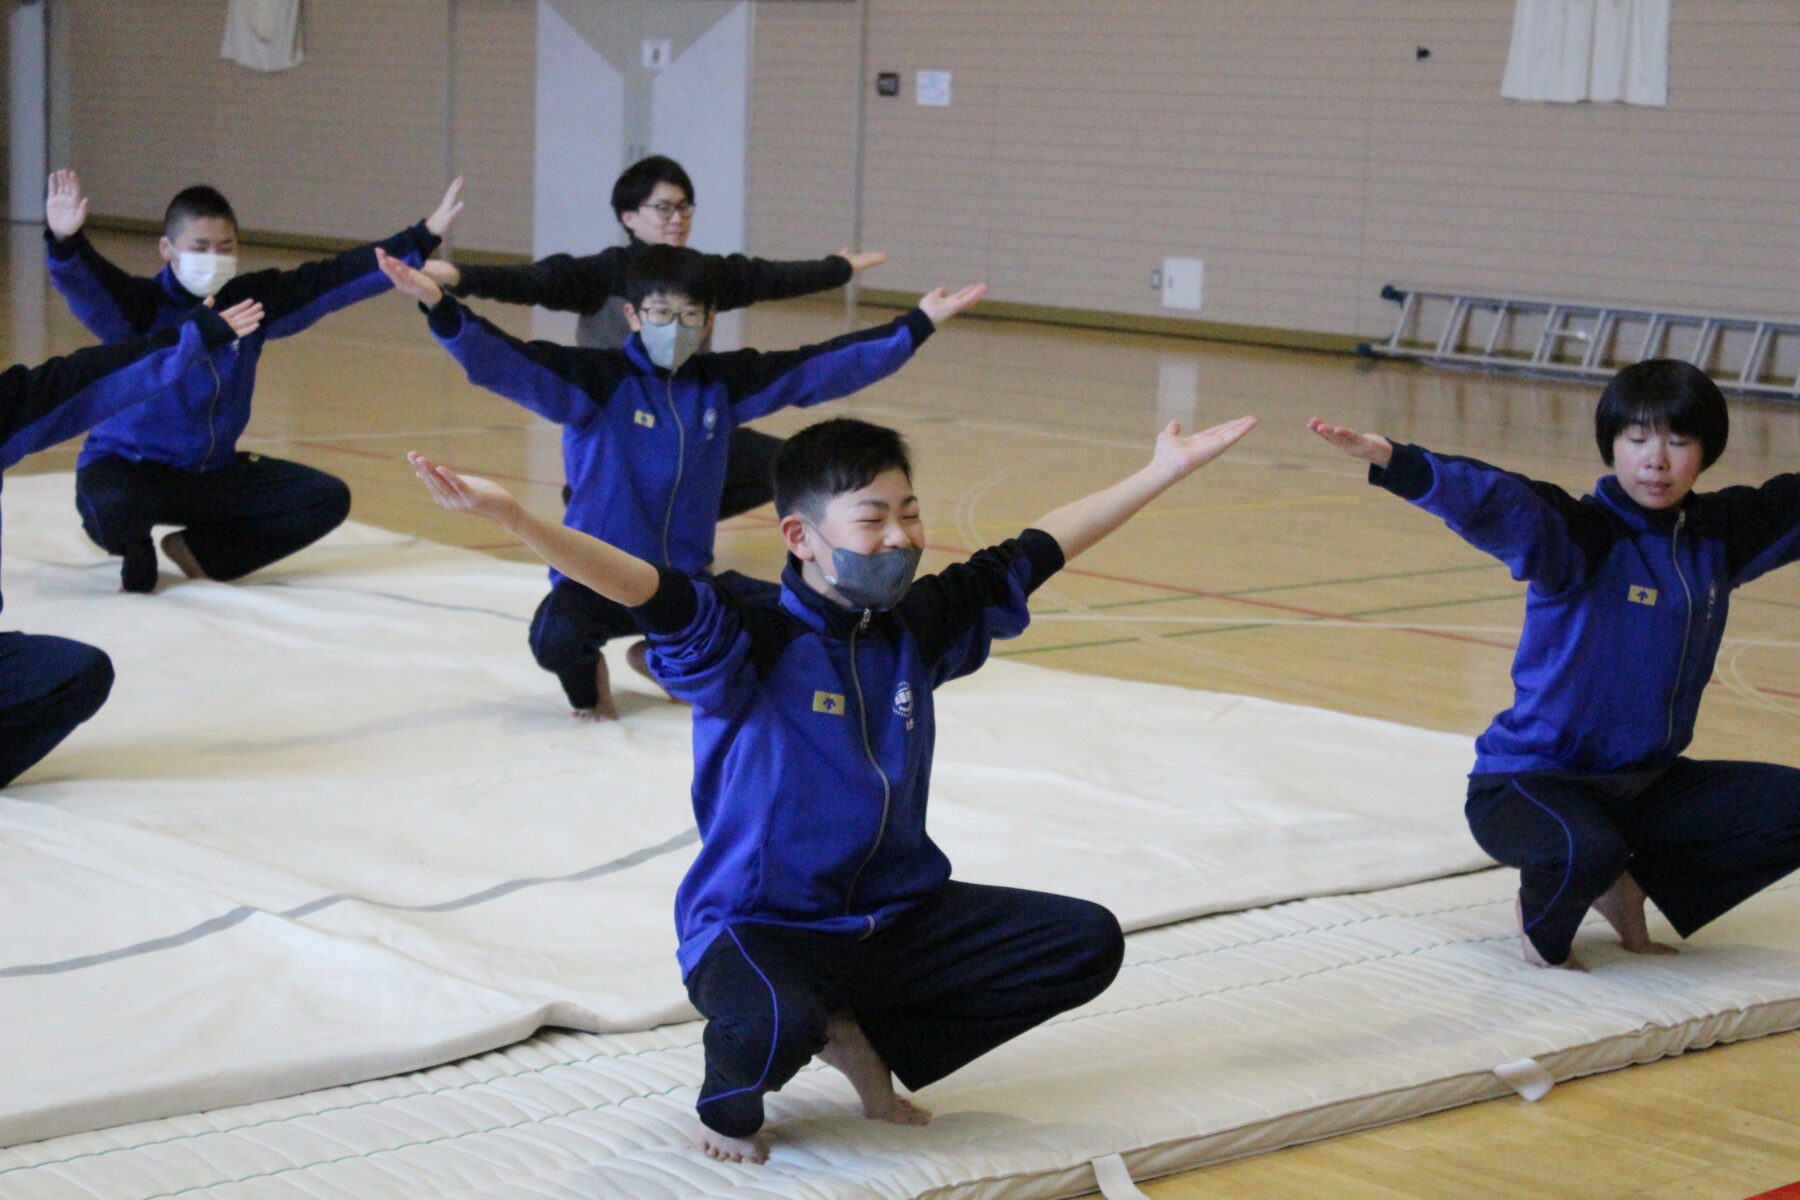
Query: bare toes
{"x": 905, "y": 1112}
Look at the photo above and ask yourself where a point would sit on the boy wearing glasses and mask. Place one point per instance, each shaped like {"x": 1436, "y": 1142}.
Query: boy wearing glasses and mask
{"x": 653, "y": 202}
{"x": 819, "y": 918}
{"x": 173, "y": 460}
{"x": 647, "y": 429}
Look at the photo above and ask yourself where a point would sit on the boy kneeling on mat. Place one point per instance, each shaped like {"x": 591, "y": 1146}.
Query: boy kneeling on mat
{"x": 819, "y": 918}
{"x": 1581, "y": 784}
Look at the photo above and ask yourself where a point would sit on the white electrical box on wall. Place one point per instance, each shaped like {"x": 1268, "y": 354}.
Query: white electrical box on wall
{"x": 1181, "y": 280}
{"x": 933, "y": 88}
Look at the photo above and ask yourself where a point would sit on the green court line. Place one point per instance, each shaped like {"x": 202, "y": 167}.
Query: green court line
{"x": 1290, "y": 587}
{"x": 1186, "y": 633}
{"x": 1066, "y": 646}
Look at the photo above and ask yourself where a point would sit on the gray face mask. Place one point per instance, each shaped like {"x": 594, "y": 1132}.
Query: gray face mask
{"x": 671, "y": 345}
{"x": 871, "y": 580}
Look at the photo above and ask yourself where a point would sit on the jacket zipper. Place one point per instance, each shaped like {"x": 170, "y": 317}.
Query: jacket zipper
{"x": 887, "y": 791}
{"x": 212, "y": 412}
{"x": 680, "y": 466}
{"x": 1687, "y": 627}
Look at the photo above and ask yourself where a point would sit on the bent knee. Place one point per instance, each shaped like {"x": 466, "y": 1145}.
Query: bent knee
{"x": 1104, "y": 941}
{"x": 89, "y": 682}
{"x": 557, "y": 645}
{"x": 332, "y": 500}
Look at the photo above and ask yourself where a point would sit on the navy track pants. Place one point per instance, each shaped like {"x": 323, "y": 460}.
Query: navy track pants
{"x": 48, "y": 686}
{"x": 574, "y": 621}
{"x": 235, "y": 520}
{"x": 961, "y": 972}
{"x": 1700, "y": 838}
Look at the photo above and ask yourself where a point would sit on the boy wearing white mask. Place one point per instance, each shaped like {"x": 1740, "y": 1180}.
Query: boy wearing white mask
{"x": 173, "y": 460}
{"x": 647, "y": 428}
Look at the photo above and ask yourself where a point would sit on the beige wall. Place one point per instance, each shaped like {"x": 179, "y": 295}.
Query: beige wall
{"x": 1297, "y": 146}
{"x": 350, "y": 144}
{"x": 803, "y": 84}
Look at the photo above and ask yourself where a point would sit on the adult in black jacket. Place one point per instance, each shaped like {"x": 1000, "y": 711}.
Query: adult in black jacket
{"x": 654, "y": 203}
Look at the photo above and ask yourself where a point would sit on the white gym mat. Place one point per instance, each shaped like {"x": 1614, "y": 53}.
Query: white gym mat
{"x": 1224, "y": 1036}
{"x": 335, "y": 824}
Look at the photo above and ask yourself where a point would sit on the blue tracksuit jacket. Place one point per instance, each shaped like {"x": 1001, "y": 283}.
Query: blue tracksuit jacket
{"x": 41, "y": 406}
{"x": 813, "y": 736}
{"x": 196, "y": 426}
{"x": 644, "y": 451}
{"x": 1625, "y": 610}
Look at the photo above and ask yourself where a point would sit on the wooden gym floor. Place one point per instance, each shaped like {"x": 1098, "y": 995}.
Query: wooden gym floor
{"x": 1275, "y": 572}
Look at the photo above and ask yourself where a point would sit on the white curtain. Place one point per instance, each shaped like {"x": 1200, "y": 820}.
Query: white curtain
{"x": 263, "y": 35}
{"x": 1571, "y": 50}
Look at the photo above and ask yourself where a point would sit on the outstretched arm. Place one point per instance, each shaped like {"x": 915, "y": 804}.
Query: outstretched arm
{"x": 1369, "y": 447}
{"x": 1078, "y": 525}
{"x": 762, "y": 383}
{"x": 65, "y": 397}
{"x": 560, "y": 383}
{"x": 65, "y": 208}
{"x": 561, "y": 282}
{"x": 863, "y": 261}
{"x": 113, "y": 304}
{"x": 299, "y": 297}
{"x": 620, "y": 577}
{"x": 1538, "y": 530}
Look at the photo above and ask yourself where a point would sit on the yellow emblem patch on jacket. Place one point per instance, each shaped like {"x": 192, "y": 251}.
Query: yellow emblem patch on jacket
{"x": 645, "y": 418}
{"x": 1638, "y": 594}
{"x": 828, "y": 702}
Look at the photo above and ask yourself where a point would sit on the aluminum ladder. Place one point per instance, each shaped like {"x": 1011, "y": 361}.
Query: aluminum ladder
{"x": 1755, "y": 355}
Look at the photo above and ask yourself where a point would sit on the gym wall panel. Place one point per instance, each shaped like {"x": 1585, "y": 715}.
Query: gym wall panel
{"x": 493, "y": 68}
{"x": 351, "y": 144}
{"x": 1301, "y": 149}
{"x": 803, "y": 83}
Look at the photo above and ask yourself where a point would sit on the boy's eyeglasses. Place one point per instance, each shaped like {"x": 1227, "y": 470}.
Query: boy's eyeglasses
{"x": 668, "y": 208}
{"x": 693, "y": 318}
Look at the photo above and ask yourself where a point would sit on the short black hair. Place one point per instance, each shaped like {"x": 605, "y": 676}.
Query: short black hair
{"x": 193, "y": 203}
{"x": 1663, "y": 393}
{"x": 831, "y": 458}
{"x": 675, "y": 270}
{"x": 632, "y": 189}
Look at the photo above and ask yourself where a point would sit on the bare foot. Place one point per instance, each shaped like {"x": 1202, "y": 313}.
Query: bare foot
{"x": 175, "y": 546}
{"x": 716, "y": 1145}
{"x": 1623, "y": 907}
{"x": 1530, "y": 951}
{"x": 847, "y": 1048}
{"x": 637, "y": 654}
{"x": 606, "y": 708}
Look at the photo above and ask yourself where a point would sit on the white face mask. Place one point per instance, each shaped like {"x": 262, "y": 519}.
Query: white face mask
{"x": 204, "y": 274}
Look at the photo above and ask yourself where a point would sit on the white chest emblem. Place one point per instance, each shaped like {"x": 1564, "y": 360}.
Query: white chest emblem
{"x": 903, "y": 703}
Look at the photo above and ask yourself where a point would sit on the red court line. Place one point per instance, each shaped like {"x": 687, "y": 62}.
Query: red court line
{"x": 1199, "y": 593}
{"x": 1790, "y": 1192}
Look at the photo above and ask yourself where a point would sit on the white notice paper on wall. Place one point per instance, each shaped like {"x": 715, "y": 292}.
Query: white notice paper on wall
{"x": 934, "y": 88}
